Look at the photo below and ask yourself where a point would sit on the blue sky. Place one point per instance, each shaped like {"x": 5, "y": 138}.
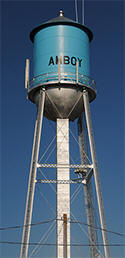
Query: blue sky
{"x": 105, "y": 19}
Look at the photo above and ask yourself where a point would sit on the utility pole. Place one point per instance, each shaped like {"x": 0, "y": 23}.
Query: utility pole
{"x": 64, "y": 235}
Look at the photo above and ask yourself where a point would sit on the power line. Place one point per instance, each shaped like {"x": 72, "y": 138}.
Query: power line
{"x": 71, "y": 221}
{"x": 99, "y": 228}
{"x": 31, "y": 225}
{"x": 53, "y": 244}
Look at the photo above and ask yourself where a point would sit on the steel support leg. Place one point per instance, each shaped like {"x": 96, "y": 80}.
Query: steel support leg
{"x": 96, "y": 173}
{"x": 88, "y": 193}
{"x": 32, "y": 177}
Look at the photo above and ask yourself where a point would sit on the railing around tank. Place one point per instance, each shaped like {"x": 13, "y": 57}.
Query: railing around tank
{"x": 61, "y": 77}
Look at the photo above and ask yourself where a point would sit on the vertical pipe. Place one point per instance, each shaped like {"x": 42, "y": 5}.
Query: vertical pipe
{"x": 77, "y": 74}
{"x": 96, "y": 173}
{"x": 59, "y": 70}
{"x": 63, "y": 190}
{"x": 27, "y": 73}
{"x": 32, "y": 177}
{"x": 76, "y": 10}
{"x": 64, "y": 235}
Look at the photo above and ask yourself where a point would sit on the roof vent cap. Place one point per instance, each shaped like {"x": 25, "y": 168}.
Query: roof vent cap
{"x": 61, "y": 13}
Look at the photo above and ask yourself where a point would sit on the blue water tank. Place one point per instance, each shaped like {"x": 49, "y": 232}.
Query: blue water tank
{"x": 61, "y": 58}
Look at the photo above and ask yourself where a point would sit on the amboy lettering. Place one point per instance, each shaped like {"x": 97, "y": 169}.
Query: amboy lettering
{"x": 65, "y": 60}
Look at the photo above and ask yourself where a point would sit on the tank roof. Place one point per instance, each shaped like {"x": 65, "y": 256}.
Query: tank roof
{"x": 61, "y": 20}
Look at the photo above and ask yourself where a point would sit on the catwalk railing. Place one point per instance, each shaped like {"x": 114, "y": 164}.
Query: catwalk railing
{"x": 63, "y": 78}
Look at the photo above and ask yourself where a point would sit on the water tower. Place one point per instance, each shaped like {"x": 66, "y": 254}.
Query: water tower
{"x": 62, "y": 90}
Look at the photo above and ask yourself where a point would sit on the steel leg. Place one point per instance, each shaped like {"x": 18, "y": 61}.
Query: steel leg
{"x": 32, "y": 177}
{"x": 96, "y": 173}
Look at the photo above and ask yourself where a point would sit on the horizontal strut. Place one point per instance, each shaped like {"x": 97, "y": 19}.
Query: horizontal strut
{"x": 64, "y": 166}
{"x": 52, "y": 181}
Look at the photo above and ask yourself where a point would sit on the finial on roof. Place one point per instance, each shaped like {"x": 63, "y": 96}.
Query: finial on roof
{"x": 60, "y": 13}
